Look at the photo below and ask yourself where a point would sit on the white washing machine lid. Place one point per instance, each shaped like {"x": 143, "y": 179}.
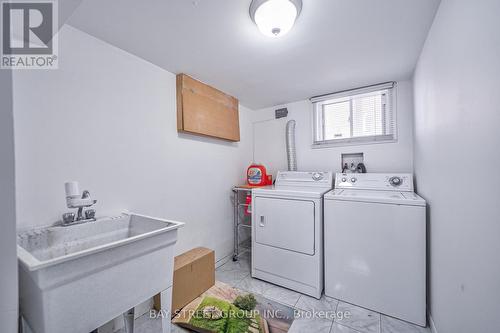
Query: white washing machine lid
{"x": 377, "y": 196}
{"x": 298, "y": 184}
{"x": 291, "y": 191}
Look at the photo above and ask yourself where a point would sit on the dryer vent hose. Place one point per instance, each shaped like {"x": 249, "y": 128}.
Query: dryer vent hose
{"x": 291, "y": 152}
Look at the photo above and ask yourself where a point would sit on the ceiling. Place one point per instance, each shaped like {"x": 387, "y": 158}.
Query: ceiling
{"x": 334, "y": 45}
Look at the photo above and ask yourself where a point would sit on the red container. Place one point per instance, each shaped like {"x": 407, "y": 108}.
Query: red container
{"x": 248, "y": 202}
{"x": 257, "y": 175}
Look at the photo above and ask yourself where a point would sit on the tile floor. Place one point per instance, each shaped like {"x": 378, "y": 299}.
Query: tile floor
{"x": 237, "y": 274}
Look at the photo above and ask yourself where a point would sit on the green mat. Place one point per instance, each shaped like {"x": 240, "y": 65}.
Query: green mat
{"x": 218, "y": 316}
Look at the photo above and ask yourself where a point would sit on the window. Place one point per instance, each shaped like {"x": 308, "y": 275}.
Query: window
{"x": 364, "y": 115}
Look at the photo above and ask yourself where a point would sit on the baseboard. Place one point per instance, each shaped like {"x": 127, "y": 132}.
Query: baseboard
{"x": 432, "y": 326}
{"x": 223, "y": 260}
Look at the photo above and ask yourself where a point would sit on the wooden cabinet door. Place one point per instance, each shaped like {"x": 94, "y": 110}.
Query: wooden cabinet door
{"x": 204, "y": 110}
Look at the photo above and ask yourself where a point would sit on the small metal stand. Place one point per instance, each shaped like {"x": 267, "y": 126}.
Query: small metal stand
{"x": 240, "y": 220}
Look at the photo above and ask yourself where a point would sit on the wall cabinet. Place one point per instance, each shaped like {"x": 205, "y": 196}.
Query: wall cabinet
{"x": 204, "y": 110}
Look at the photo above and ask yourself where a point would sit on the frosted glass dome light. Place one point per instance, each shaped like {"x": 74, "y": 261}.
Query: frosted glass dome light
{"x": 275, "y": 18}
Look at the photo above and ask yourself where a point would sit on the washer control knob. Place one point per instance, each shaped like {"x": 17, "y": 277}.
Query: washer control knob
{"x": 317, "y": 176}
{"x": 395, "y": 181}
{"x": 344, "y": 180}
{"x": 353, "y": 180}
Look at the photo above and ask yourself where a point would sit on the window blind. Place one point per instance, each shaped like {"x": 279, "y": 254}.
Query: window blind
{"x": 355, "y": 116}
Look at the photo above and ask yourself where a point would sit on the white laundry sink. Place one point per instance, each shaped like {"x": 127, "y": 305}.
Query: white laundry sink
{"x": 76, "y": 278}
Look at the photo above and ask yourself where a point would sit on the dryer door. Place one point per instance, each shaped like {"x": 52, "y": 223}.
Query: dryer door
{"x": 285, "y": 223}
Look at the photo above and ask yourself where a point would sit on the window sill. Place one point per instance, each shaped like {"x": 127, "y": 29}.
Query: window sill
{"x": 347, "y": 143}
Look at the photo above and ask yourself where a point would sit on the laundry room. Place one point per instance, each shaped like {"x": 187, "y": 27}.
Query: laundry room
{"x": 250, "y": 166}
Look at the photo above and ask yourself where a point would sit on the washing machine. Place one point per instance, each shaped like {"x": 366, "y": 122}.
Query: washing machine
{"x": 375, "y": 244}
{"x": 287, "y": 231}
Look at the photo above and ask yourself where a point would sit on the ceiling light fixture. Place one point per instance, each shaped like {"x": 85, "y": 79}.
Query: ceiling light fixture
{"x": 275, "y": 18}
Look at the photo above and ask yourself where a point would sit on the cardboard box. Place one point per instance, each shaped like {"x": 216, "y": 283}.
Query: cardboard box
{"x": 194, "y": 273}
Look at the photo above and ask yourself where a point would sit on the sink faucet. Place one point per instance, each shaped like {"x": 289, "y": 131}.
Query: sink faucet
{"x": 75, "y": 200}
{"x": 85, "y": 195}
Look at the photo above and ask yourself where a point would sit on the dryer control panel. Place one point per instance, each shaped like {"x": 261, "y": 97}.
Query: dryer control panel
{"x": 304, "y": 178}
{"x": 402, "y": 182}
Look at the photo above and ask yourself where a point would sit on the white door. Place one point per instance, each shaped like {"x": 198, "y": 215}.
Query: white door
{"x": 285, "y": 223}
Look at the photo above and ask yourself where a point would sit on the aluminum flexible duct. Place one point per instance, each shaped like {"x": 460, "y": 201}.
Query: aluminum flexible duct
{"x": 291, "y": 152}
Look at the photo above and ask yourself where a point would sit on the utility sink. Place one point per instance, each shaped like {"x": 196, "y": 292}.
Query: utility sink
{"x": 76, "y": 278}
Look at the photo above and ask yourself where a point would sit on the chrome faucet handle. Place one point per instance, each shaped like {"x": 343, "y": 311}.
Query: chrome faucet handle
{"x": 68, "y": 217}
{"x": 90, "y": 214}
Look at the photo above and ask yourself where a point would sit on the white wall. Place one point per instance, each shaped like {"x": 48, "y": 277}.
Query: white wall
{"x": 457, "y": 115}
{"x": 8, "y": 256}
{"x": 108, "y": 119}
{"x": 269, "y": 140}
